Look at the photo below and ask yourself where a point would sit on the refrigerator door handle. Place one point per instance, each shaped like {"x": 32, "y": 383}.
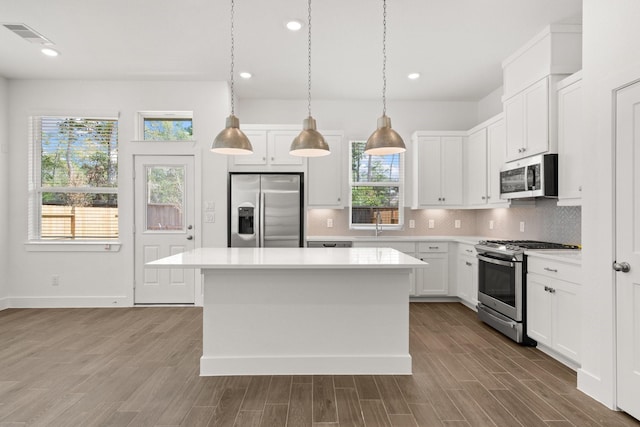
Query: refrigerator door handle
{"x": 261, "y": 224}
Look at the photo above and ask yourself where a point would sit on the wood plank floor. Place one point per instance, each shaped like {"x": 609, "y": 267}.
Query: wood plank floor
{"x": 139, "y": 367}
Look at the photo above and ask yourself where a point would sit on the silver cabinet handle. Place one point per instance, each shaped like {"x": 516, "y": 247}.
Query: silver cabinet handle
{"x": 580, "y": 188}
{"x": 553, "y": 270}
{"x": 484, "y": 198}
{"x": 189, "y": 237}
{"x": 434, "y": 247}
{"x": 468, "y": 263}
{"x": 623, "y": 267}
{"x": 469, "y": 250}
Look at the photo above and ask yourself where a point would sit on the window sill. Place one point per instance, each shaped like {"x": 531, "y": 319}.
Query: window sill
{"x": 58, "y": 246}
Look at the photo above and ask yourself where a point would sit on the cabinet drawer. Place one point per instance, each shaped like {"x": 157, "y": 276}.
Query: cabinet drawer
{"x": 427, "y": 247}
{"x": 466, "y": 250}
{"x": 555, "y": 269}
{"x": 406, "y": 247}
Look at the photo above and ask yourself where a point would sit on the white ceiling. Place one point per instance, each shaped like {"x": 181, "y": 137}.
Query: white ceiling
{"x": 457, "y": 45}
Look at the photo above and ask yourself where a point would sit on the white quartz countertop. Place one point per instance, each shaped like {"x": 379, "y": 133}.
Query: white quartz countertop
{"x": 573, "y": 256}
{"x": 289, "y": 258}
{"x": 387, "y": 238}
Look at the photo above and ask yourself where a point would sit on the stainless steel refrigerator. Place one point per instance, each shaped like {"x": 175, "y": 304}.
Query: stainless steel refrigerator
{"x": 265, "y": 210}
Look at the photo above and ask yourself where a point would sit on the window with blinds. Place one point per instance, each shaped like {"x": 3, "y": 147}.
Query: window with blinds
{"x": 377, "y": 188}
{"x": 75, "y": 178}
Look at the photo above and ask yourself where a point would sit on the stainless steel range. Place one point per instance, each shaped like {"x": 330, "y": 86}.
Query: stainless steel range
{"x": 502, "y": 272}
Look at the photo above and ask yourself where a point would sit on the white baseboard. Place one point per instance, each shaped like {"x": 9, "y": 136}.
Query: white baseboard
{"x": 4, "y": 303}
{"x": 305, "y": 365}
{"x": 68, "y": 302}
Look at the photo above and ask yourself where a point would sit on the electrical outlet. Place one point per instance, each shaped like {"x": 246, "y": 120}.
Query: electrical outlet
{"x": 329, "y": 222}
{"x": 210, "y": 217}
{"x": 55, "y": 280}
{"x": 432, "y": 223}
{"x": 456, "y": 223}
{"x": 412, "y": 223}
{"x": 490, "y": 224}
{"x": 209, "y": 205}
{"x": 522, "y": 226}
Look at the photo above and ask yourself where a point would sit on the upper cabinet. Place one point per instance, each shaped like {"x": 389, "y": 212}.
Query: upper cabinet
{"x": 484, "y": 157}
{"x": 570, "y": 138}
{"x": 530, "y": 78}
{"x": 270, "y": 150}
{"x": 326, "y": 181}
{"x": 437, "y": 169}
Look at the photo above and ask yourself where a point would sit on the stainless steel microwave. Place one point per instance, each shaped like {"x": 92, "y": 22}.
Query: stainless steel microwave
{"x": 535, "y": 176}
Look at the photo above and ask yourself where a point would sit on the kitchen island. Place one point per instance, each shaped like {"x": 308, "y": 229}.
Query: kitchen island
{"x": 276, "y": 311}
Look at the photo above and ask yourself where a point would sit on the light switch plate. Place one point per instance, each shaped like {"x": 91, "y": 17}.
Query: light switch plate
{"x": 412, "y": 223}
{"x": 209, "y": 205}
{"x": 490, "y": 224}
{"x": 210, "y": 217}
{"x": 432, "y": 223}
{"x": 329, "y": 222}
{"x": 522, "y": 226}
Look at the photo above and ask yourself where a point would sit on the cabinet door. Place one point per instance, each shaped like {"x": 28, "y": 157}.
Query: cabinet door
{"x": 514, "y": 125}
{"x": 325, "y": 177}
{"x": 566, "y": 319}
{"x": 258, "y": 139}
{"x": 279, "y": 143}
{"x": 465, "y": 278}
{"x": 477, "y": 168}
{"x": 433, "y": 280}
{"x": 429, "y": 170}
{"x": 570, "y": 138}
{"x": 452, "y": 182}
{"x": 496, "y": 153}
{"x": 537, "y": 118}
{"x": 539, "y": 310}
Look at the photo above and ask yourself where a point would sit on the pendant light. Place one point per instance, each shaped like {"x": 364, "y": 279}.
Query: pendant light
{"x": 231, "y": 140}
{"x": 384, "y": 140}
{"x": 310, "y": 142}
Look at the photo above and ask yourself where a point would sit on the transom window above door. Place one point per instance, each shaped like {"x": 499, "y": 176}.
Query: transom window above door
{"x": 165, "y": 126}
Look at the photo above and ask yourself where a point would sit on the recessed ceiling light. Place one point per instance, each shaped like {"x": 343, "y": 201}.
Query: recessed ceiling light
{"x": 50, "y": 52}
{"x": 245, "y": 75}
{"x": 414, "y": 76}
{"x": 294, "y": 25}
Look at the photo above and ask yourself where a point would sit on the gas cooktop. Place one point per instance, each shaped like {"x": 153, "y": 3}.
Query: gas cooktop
{"x": 513, "y": 247}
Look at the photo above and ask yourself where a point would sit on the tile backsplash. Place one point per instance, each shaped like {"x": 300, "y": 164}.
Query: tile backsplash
{"x": 542, "y": 220}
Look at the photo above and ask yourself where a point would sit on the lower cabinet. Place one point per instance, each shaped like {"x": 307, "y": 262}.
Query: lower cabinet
{"x": 467, "y": 272}
{"x": 553, "y": 309}
{"x": 434, "y": 279}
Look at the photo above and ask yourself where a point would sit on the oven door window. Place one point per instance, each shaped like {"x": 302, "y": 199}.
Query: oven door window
{"x": 497, "y": 281}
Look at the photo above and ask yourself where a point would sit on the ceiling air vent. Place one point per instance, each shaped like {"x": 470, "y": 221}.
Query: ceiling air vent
{"x": 28, "y": 34}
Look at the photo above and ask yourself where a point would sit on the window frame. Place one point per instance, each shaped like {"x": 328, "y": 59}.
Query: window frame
{"x": 35, "y": 242}
{"x": 401, "y": 191}
{"x": 141, "y": 116}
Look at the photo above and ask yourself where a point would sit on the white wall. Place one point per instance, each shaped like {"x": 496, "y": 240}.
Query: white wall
{"x": 610, "y": 44}
{"x": 490, "y": 105}
{"x": 105, "y": 278}
{"x": 4, "y": 190}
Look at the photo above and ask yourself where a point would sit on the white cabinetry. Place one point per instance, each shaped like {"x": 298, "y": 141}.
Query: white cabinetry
{"x": 554, "y": 308}
{"x": 271, "y": 145}
{"x": 437, "y": 169}
{"x": 408, "y": 248}
{"x": 570, "y": 139}
{"x": 467, "y": 283}
{"x": 530, "y": 77}
{"x": 528, "y": 117}
{"x": 326, "y": 174}
{"x": 434, "y": 279}
{"x": 484, "y": 157}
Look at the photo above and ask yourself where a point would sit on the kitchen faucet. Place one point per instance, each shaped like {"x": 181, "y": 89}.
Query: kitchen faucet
{"x": 378, "y": 223}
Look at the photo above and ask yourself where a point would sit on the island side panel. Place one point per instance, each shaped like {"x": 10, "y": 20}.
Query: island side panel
{"x": 306, "y": 321}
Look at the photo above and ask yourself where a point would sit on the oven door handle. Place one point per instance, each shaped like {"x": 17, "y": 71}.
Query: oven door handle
{"x": 496, "y": 261}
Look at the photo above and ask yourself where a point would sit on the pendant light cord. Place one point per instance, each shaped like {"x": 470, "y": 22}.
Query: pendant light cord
{"x": 384, "y": 58}
{"x": 309, "y": 59}
{"x": 232, "y": 60}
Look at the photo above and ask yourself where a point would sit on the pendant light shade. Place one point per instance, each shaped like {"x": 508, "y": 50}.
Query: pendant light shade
{"x": 384, "y": 140}
{"x": 231, "y": 140}
{"x": 309, "y": 143}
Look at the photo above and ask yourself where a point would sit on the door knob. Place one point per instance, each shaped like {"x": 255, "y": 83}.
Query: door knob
{"x": 189, "y": 237}
{"x": 622, "y": 266}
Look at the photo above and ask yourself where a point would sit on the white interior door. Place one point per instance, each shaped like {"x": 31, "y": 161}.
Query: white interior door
{"x": 164, "y": 226}
{"x": 627, "y": 264}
